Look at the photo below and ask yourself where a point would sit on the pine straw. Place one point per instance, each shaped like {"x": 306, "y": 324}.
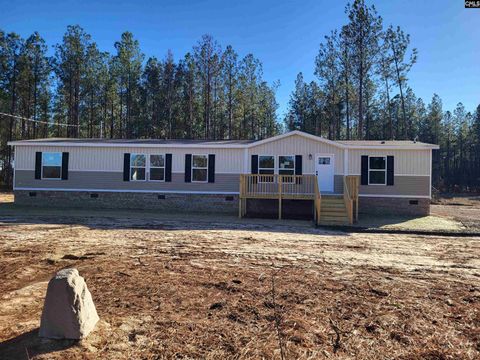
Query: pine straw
{"x": 188, "y": 305}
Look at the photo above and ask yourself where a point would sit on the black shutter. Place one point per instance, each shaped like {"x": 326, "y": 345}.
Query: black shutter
{"x": 390, "y": 170}
{"x": 188, "y": 168}
{"x": 168, "y": 167}
{"x": 211, "y": 168}
{"x": 126, "y": 167}
{"x": 254, "y": 164}
{"x": 298, "y": 168}
{"x": 298, "y": 165}
{"x": 38, "y": 165}
{"x": 364, "y": 173}
{"x": 65, "y": 166}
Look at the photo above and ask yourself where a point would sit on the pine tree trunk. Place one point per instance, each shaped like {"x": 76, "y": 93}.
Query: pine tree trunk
{"x": 389, "y": 110}
{"x": 400, "y": 87}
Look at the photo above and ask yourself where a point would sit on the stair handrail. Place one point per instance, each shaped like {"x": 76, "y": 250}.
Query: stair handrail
{"x": 317, "y": 202}
{"x": 348, "y": 200}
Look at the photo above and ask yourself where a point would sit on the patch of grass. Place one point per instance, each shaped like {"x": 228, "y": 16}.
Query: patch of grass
{"x": 403, "y": 223}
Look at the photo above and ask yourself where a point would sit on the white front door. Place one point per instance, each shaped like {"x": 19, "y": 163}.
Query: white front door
{"x": 324, "y": 169}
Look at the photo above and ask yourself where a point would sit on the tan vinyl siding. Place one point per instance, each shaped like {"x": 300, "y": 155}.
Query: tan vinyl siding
{"x": 407, "y": 162}
{"x": 108, "y": 180}
{"x": 403, "y": 186}
{"x": 298, "y": 145}
{"x": 111, "y": 159}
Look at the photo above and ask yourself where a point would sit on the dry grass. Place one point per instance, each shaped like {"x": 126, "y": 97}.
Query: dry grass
{"x": 167, "y": 289}
{"x": 463, "y": 209}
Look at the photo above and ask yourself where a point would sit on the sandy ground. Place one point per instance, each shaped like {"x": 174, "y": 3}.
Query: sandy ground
{"x": 240, "y": 289}
{"x": 464, "y": 209}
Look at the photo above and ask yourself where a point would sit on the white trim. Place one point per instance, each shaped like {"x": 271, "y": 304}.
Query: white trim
{"x": 345, "y": 162}
{"x": 198, "y": 168}
{"x": 14, "y": 168}
{"x": 258, "y": 169}
{"x": 431, "y": 159}
{"x": 90, "y": 170}
{"x": 384, "y": 170}
{"x": 395, "y": 196}
{"x": 332, "y": 161}
{"x": 317, "y": 155}
{"x": 70, "y": 170}
{"x": 127, "y": 145}
{"x": 164, "y": 167}
{"x": 294, "y": 167}
{"x": 245, "y": 161}
{"x": 417, "y": 175}
{"x": 300, "y": 133}
{"x": 132, "y": 191}
{"x": 226, "y": 146}
{"x": 120, "y": 171}
{"x": 139, "y": 167}
{"x": 42, "y": 165}
{"x": 393, "y": 147}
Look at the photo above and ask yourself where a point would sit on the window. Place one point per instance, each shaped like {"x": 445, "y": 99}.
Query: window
{"x": 286, "y": 166}
{"x": 138, "y": 167}
{"x": 157, "y": 167}
{"x": 51, "y": 165}
{"x": 199, "y": 168}
{"x": 377, "y": 170}
{"x": 323, "y": 161}
{"x": 266, "y": 166}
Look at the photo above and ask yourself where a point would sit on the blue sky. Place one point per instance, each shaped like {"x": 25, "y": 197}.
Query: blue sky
{"x": 284, "y": 35}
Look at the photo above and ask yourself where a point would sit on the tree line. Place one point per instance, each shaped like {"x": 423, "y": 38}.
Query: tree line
{"x": 82, "y": 91}
{"x": 361, "y": 92}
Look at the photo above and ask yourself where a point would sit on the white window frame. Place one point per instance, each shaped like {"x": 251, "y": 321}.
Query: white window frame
{"x": 260, "y": 168}
{"x": 199, "y": 168}
{"x": 140, "y": 167}
{"x": 164, "y": 167}
{"x": 279, "y": 168}
{"x": 61, "y": 165}
{"x": 384, "y": 170}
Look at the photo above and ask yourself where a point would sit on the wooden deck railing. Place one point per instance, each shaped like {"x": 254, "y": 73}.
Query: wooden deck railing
{"x": 348, "y": 201}
{"x": 295, "y": 187}
{"x": 277, "y": 186}
{"x": 317, "y": 204}
{"x": 292, "y": 187}
{"x": 350, "y": 196}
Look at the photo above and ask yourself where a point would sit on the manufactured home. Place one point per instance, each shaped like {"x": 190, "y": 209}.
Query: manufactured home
{"x": 293, "y": 174}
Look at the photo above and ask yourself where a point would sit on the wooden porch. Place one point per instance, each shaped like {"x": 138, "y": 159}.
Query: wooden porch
{"x": 302, "y": 187}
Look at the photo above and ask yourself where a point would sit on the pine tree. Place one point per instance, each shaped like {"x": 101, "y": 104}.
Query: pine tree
{"x": 230, "y": 75}
{"x": 397, "y": 41}
{"x": 128, "y": 64}
{"x": 69, "y": 66}
{"x": 364, "y": 31}
{"x": 327, "y": 70}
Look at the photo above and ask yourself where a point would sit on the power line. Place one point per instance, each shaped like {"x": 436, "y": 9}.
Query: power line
{"x": 38, "y": 121}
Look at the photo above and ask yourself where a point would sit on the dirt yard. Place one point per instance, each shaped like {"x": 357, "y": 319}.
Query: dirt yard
{"x": 231, "y": 289}
{"x": 465, "y": 209}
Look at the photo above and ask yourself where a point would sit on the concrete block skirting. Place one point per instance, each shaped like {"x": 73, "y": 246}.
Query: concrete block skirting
{"x": 207, "y": 203}
{"x": 171, "y": 202}
{"x": 394, "y": 206}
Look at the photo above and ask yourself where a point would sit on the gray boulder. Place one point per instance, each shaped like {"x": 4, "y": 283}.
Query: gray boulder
{"x": 68, "y": 312}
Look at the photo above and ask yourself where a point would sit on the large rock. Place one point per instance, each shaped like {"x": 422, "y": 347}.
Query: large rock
{"x": 68, "y": 312}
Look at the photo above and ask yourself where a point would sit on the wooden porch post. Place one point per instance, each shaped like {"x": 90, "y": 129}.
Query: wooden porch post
{"x": 279, "y": 197}
{"x": 240, "y": 197}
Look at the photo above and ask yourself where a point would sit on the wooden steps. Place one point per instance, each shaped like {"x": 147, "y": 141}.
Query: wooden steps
{"x": 333, "y": 211}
